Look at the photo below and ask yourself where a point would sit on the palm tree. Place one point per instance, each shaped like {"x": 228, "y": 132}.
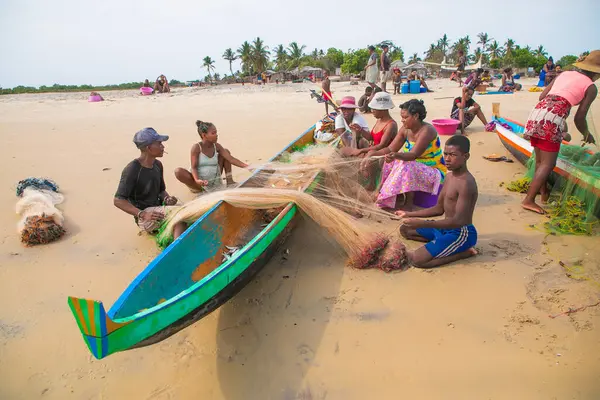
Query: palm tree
{"x": 245, "y": 55}
{"x": 209, "y": 64}
{"x": 281, "y": 56}
{"x": 217, "y": 76}
{"x": 540, "y": 51}
{"x": 430, "y": 53}
{"x": 315, "y": 54}
{"x": 495, "y": 50}
{"x": 484, "y": 39}
{"x": 296, "y": 53}
{"x": 260, "y": 55}
{"x": 444, "y": 43}
{"x": 475, "y": 56}
{"x": 414, "y": 59}
{"x": 230, "y": 56}
{"x": 509, "y": 47}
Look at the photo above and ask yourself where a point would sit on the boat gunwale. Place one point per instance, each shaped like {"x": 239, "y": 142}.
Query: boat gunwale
{"x": 116, "y": 307}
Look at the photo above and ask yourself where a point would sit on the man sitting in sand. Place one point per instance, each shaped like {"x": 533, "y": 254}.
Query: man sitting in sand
{"x": 161, "y": 85}
{"x": 452, "y": 238}
{"x": 363, "y": 102}
{"x": 413, "y": 76}
{"x": 142, "y": 191}
{"x": 466, "y": 113}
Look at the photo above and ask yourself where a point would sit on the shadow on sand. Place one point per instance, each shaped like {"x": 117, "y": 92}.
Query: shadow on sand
{"x": 268, "y": 334}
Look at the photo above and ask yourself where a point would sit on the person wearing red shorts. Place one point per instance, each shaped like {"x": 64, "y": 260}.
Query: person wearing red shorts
{"x": 547, "y": 124}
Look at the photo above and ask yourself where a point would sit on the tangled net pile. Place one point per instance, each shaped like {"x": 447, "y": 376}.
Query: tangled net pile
{"x": 41, "y": 222}
{"x": 574, "y": 201}
{"x": 320, "y": 183}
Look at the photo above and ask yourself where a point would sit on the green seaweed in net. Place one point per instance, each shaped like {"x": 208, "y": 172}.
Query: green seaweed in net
{"x": 576, "y": 205}
{"x": 520, "y": 185}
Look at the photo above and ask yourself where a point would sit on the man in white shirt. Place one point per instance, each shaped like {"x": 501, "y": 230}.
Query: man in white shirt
{"x": 351, "y": 125}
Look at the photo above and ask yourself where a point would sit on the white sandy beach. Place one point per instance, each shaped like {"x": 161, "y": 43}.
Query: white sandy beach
{"x": 305, "y": 328}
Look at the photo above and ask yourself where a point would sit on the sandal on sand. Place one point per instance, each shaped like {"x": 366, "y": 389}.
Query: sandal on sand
{"x": 496, "y": 158}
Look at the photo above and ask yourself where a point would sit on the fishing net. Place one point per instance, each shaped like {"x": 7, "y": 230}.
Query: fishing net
{"x": 41, "y": 222}
{"x": 325, "y": 188}
{"x": 575, "y": 196}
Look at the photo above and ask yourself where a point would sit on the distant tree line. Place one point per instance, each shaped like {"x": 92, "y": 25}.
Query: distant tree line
{"x": 77, "y": 88}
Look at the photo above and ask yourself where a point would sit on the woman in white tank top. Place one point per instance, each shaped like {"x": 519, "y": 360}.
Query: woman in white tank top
{"x": 209, "y": 159}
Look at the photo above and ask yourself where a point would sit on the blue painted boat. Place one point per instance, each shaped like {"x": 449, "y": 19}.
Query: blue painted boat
{"x": 189, "y": 279}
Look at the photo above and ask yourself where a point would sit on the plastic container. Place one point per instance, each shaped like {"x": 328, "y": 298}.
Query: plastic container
{"x": 423, "y": 90}
{"x": 415, "y": 87}
{"x": 146, "y": 90}
{"x": 404, "y": 88}
{"x": 517, "y": 76}
{"x": 93, "y": 99}
{"x": 426, "y": 200}
{"x": 445, "y": 126}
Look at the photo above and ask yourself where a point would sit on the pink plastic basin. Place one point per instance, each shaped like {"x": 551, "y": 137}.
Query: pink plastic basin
{"x": 93, "y": 99}
{"x": 146, "y": 90}
{"x": 445, "y": 126}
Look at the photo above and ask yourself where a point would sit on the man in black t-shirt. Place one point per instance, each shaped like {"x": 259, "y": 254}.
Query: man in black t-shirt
{"x": 466, "y": 113}
{"x": 142, "y": 191}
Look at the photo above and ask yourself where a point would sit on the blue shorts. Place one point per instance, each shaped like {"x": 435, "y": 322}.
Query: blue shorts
{"x": 445, "y": 242}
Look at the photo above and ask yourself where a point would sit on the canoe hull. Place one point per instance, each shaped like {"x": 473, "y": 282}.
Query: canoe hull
{"x": 121, "y": 328}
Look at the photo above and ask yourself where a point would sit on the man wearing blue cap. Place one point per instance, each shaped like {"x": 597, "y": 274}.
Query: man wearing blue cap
{"x": 142, "y": 190}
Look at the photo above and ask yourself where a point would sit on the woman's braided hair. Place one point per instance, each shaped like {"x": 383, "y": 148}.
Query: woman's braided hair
{"x": 203, "y": 127}
{"x": 415, "y": 107}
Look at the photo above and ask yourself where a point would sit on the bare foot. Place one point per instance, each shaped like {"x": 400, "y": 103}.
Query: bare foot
{"x": 545, "y": 197}
{"x": 473, "y": 251}
{"x": 533, "y": 207}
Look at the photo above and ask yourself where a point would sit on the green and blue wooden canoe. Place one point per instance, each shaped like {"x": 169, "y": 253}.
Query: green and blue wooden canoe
{"x": 188, "y": 280}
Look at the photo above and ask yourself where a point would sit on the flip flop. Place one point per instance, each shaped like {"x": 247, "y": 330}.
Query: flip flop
{"x": 496, "y": 158}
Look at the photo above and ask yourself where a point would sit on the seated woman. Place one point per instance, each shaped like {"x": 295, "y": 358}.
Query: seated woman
{"x": 413, "y": 76}
{"x": 549, "y": 71}
{"x": 161, "y": 85}
{"x": 486, "y": 78}
{"x": 467, "y": 111}
{"x": 208, "y": 159}
{"x": 357, "y": 140}
{"x": 508, "y": 81}
{"x": 414, "y": 159}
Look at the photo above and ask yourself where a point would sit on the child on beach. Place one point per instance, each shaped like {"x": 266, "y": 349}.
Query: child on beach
{"x": 467, "y": 111}
{"x": 363, "y": 102}
{"x": 547, "y": 124}
{"x": 208, "y": 160}
{"x": 397, "y": 81}
{"x": 452, "y": 238}
{"x": 326, "y": 86}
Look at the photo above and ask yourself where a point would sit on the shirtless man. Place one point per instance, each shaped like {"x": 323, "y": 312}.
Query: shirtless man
{"x": 450, "y": 239}
{"x": 460, "y": 66}
{"x": 326, "y": 86}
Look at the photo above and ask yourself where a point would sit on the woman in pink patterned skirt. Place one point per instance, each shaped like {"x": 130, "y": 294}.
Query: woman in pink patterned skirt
{"x": 414, "y": 159}
{"x": 547, "y": 123}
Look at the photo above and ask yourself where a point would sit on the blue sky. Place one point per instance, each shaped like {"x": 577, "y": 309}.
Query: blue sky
{"x": 101, "y": 42}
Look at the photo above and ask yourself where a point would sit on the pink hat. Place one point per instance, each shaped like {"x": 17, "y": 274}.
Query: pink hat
{"x": 348, "y": 102}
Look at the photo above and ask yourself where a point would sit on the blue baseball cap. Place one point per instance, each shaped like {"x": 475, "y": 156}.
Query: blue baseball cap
{"x": 147, "y": 136}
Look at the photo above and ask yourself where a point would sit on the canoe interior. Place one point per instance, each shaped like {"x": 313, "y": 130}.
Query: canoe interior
{"x": 199, "y": 251}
